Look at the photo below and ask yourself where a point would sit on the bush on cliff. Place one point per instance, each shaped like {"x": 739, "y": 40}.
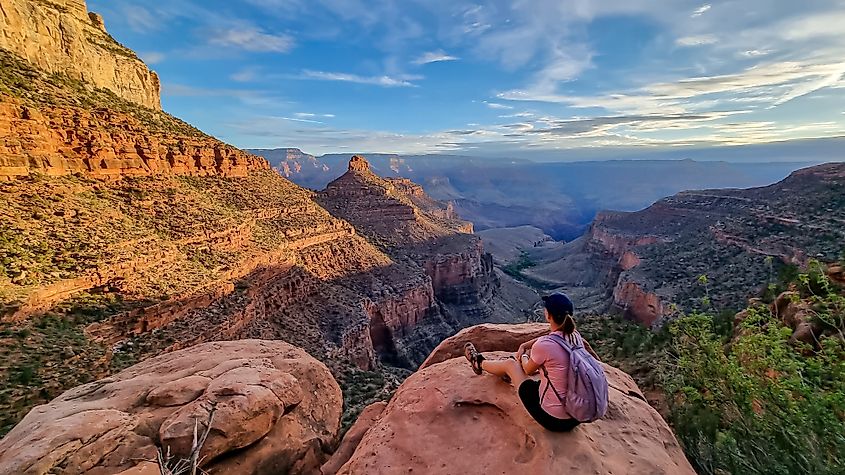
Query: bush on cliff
{"x": 761, "y": 405}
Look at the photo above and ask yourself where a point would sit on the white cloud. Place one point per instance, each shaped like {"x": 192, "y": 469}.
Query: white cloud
{"x": 701, "y": 10}
{"x": 140, "y": 19}
{"x": 496, "y": 105}
{"x": 815, "y": 26}
{"x": 699, "y": 40}
{"x": 251, "y": 39}
{"x": 754, "y": 53}
{"x": 769, "y": 84}
{"x": 299, "y": 119}
{"x": 434, "y": 57}
{"x": 517, "y": 115}
{"x": 152, "y": 57}
{"x": 819, "y": 82}
{"x": 383, "y": 81}
{"x": 308, "y": 115}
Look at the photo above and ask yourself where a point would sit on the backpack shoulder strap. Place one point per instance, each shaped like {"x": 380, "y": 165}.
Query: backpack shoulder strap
{"x": 566, "y": 344}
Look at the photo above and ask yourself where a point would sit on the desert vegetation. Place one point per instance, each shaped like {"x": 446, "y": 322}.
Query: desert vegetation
{"x": 745, "y": 398}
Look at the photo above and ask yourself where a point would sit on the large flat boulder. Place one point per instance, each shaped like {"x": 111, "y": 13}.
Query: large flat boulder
{"x": 486, "y": 337}
{"x": 273, "y": 403}
{"x": 446, "y": 420}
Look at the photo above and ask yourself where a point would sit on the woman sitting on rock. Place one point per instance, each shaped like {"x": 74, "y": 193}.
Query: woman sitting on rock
{"x": 546, "y": 399}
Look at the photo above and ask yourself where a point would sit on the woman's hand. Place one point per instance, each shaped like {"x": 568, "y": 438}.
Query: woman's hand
{"x": 524, "y": 348}
{"x": 521, "y": 351}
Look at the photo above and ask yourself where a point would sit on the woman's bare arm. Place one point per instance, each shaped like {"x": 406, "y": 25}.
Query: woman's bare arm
{"x": 528, "y": 365}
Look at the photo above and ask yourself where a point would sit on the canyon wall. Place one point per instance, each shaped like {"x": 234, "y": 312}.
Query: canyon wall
{"x": 60, "y": 36}
{"x": 62, "y": 140}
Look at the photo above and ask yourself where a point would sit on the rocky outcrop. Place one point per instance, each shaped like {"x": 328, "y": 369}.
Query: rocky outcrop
{"x": 460, "y": 284}
{"x": 634, "y": 303}
{"x": 59, "y": 36}
{"x": 444, "y": 412}
{"x": 395, "y": 211}
{"x": 368, "y": 417}
{"x": 105, "y": 144}
{"x": 486, "y": 337}
{"x": 272, "y": 403}
{"x": 796, "y": 314}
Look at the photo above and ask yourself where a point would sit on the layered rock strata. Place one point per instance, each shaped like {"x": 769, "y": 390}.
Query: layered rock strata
{"x": 51, "y": 135}
{"x": 61, "y": 36}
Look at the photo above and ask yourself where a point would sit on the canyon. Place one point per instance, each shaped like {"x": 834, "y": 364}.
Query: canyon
{"x": 699, "y": 249}
{"x": 311, "y": 312}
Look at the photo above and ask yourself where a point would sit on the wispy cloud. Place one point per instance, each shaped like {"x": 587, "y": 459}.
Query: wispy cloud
{"x": 769, "y": 84}
{"x": 308, "y": 115}
{"x": 754, "y": 53}
{"x": 496, "y": 105}
{"x": 300, "y": 119}
{"x": 517, "y": 114}
{"x": 699, "y": 40}
{"x": 249, "y": 97}
{"x": 245, "y": 75}
{"x": 383, "y": 81}
{"x": 251, "y": 39}
{"x": 141, "y": 19}
{"x": 701, "y": 10}
{"x": 434, "y": 57}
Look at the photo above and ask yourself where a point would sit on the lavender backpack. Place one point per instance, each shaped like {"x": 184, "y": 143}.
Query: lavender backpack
{"x": 586, "y": 398}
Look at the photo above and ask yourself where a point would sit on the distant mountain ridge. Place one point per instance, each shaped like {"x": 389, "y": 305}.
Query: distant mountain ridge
{"x": 560, "y": 198}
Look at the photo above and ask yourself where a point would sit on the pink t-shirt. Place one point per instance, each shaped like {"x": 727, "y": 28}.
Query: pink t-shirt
{"x": 546, "y": 352}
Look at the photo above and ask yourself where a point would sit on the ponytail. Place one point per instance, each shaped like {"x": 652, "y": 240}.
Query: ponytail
{"x": 568, "y": 327}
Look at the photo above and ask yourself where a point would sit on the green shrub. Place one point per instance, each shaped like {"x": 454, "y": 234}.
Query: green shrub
{"x": 514, "y": 269}
{"x": 759, "y": 405}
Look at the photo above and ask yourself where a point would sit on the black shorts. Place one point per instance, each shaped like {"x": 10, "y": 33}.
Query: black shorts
{"x": 529, "y": 394}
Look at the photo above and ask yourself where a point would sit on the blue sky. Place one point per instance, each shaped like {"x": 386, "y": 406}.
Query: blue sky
{"x": 496, "y": 77}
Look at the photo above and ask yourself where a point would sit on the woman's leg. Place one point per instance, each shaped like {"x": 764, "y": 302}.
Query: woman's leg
{"x": 506, "y": 367}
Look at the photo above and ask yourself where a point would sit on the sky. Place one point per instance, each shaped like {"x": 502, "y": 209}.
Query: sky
{"x": 505, "y": 78}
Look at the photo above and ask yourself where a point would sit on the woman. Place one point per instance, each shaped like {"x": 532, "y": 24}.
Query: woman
{"x": 543, "y": 398}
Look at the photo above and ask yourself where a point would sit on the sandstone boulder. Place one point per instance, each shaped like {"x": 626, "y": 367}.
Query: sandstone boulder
{"x": 353, "y": 436}
{"x": 273, "y": 401}
{"x": 446, "y": 420}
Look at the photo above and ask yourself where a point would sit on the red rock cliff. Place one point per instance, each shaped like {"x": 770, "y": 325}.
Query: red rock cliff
{"x": 60, "y": 36}
{"x": 106, "y": 144}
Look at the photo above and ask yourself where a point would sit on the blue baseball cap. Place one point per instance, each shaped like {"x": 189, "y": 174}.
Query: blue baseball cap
{"x": 559, "y": 305}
